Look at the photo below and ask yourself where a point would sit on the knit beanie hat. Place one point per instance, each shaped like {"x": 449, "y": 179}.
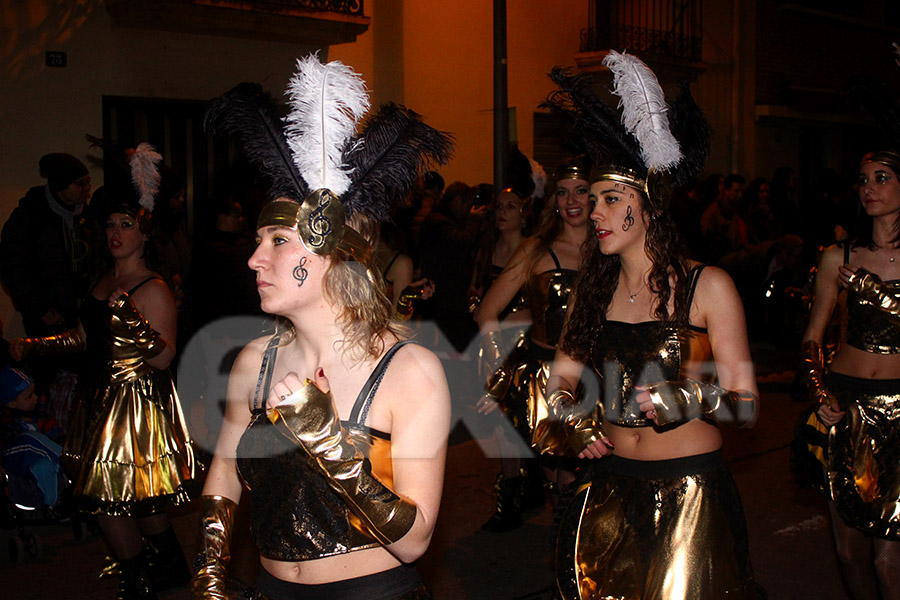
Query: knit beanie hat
{"x": 61, "y": 170}
{"x": 12, "y": 383}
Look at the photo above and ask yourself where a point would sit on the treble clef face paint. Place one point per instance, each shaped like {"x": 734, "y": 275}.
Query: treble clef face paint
{"x": 300, "y": 273}
{"x": 629, "y": 219}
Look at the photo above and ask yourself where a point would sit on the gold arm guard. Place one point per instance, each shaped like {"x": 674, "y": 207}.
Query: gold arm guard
{"x": 567, "y": 430}
{"x": 216, "y": 519}
{"x": 499, "y": 382}
{"x": 308, "y": 418}
{"x": 870, "y": 288}
{"x": 408, "y": 295}
{"x": 492, "y": 349}
{"x": 812, "y": 365}
{"x": 681, "y": 401}
{"x": 145, "y": 338}
{"x": 69, "y": 342}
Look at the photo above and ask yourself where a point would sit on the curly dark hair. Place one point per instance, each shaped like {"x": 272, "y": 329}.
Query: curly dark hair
{"x": 599, "y": 278}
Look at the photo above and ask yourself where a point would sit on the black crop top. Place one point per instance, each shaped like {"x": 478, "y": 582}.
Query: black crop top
{"x": 868, "y": 328}
{"x": 294, "y": 513}
{"x": 628, "y": 354}
{"x": 547, "y": 295}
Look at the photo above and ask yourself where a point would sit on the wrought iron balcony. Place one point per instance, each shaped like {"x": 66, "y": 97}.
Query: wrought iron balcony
{"x": 313, "y": 22}
{"x": 668, "y": 29}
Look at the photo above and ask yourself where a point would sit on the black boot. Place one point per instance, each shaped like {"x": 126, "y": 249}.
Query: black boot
{"x": 507, "y": 515}
{"x": 533, "y": 493}
{"x": 167, "y": 565}
{"x": 134, "y": 579}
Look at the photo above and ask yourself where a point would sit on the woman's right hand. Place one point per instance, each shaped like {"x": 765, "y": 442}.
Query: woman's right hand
{"x": 599, "y": 449}
{"x": 828, "y": 415}
{"x": 486, "y": 405}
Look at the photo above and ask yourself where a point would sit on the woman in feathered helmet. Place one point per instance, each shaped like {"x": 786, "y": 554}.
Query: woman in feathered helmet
{"x": 336, "y": 423}
{"x": 657, "y": 515}
{"x": 128, "y": 449}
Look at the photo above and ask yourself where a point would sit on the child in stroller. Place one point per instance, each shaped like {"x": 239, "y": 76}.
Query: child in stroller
{"x": 29, "y": 459}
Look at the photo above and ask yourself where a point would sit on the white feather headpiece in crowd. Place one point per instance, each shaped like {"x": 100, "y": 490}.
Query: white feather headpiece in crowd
{"x": 144, "y": 163}
{"x": 644, "y": 109}
{"x": 327, "y": 101}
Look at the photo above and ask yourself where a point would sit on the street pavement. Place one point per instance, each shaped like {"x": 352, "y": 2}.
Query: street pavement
{"x": 791, "y": 547}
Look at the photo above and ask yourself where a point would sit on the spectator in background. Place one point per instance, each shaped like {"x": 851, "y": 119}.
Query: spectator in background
{"x": 783, "y": 200}
{"x": 449, "y": 235}
{"x": 724, "y": 230}
{"x": 39, "y": 247}
{"x": 760, "y": 220}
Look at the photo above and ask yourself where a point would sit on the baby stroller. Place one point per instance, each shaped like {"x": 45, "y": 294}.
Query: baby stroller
{"x": 25, "y": 505}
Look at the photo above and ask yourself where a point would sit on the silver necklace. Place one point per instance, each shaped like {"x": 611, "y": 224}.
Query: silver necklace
{"x": 631, "y": 296}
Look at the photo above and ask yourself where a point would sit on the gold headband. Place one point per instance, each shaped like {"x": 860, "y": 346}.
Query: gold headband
{"x": 888, "y": 158}
{"x": 656, "y": 185}
{"x": 572, "y": 172}
{"x": 319, "y": 223}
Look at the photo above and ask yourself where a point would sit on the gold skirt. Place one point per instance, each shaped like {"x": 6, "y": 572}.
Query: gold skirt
{"x": 655, "y": 530}
{"x": 128, "y": 451}
{"x": 863, "y": 458}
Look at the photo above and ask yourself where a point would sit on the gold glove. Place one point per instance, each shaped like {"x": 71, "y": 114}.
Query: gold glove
{"x": 492, "y": 349}
{"x": 70, "y": 342}
{"x": 309, "y": 419}
{"x": 499, "y": 382}
{"x": 680, "y": 401}
{"x": 567, "y": 431}
{"x": 405, "y": 303}
{"x": 870, "y": 288}
{"x": 216, "y": 519}
{"x": 812, "y": 365}
{"x": 145, "y": 338}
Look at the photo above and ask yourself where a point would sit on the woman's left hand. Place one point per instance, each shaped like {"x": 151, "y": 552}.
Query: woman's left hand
{"x": 116, "y": 294}
{"x": 292, "y": 383}
{"x": 645, "y": 403}
{"x": 845, "y": 272}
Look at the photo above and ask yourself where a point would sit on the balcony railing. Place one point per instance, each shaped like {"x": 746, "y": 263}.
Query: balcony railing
{"x": 347, "y": 7}
{"x": 665, "y": 28}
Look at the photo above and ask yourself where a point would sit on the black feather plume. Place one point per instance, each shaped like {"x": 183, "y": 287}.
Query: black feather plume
{"x": 392, "y": 149}
{"x": 251, "y": 115}
{"x": 597, "y": 128}
{"x": 690, "y": 127}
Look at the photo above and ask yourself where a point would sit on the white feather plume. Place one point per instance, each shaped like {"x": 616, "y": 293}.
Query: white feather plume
{"x": 897, "y": 51}
{"x": 327, "y": 101}
{"x": 538, "y": 177}
{"x": 144, "y": 163}
{"x": 644, "y": 110}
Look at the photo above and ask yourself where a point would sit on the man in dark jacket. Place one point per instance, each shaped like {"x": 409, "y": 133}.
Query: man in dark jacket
{"x": 40, "y": 247}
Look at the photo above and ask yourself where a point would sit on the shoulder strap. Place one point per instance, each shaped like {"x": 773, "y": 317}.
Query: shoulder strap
{"x": 265, "y": 373}
{"x": 389, "y": 265}
{"x": 553, "y": 256}
{"x": 847, "y": 252}
{"x": 134, "y": 289}
{"x": 695, "y": 277}
{"x": 364, "y": 400}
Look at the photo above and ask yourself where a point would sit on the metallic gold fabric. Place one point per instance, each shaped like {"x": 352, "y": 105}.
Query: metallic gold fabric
{"x": 133, "y": 329}
{"x": 686, "y": 399}
{"x": 519, "y": 387}
{"x": 309, "y": 419}
{"x": 630, "y": 354}
{"x": 873, "y": 313}
{"x": 128, "y": 447}
{"x": 863, "y": 465}
{"x": 659, "y": 530}
{"x": 567, "y": 428}
{"x": 70, "y": 342}
{"x": 547, "y": 295}
{"x": 216, "y": 521}
{"x": 813, "y": 372}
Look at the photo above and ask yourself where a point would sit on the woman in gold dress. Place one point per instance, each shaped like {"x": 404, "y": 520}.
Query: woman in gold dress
{"x": 128, "y": 450}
